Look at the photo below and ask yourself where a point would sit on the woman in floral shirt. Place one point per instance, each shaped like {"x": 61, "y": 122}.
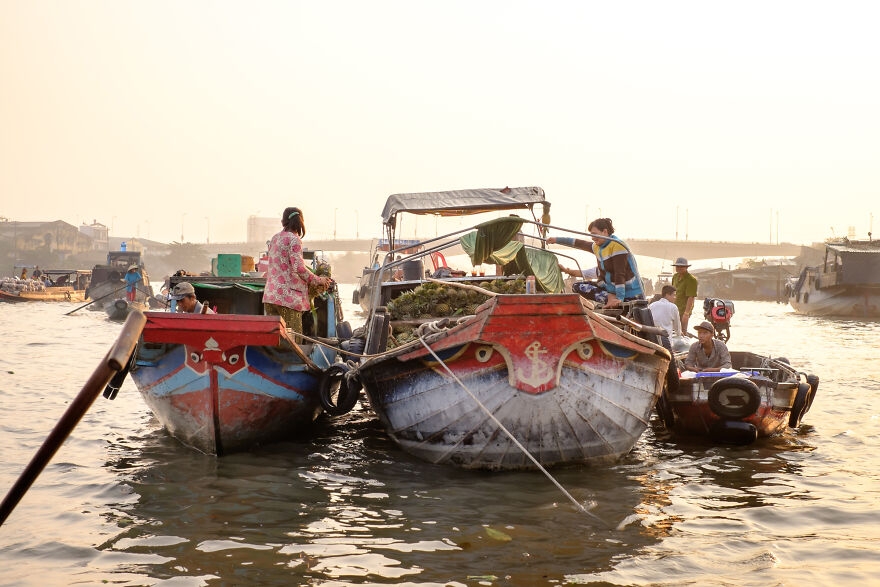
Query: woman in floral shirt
{"x": 288, "y": 279}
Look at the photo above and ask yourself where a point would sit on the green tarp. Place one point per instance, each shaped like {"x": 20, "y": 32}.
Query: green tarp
{"x": 491, "y": 243}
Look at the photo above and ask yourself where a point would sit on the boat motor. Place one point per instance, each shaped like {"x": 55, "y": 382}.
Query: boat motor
{"x": 719, "y": 312}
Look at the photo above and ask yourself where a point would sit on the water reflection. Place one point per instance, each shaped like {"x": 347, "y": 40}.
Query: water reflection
{"x": 350, "y": 506}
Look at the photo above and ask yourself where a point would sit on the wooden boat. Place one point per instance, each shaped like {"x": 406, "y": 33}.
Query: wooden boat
{"x": 845, "y": 284}
{"x": 522, "y": 380}
{"x": 108, "y": 281}
{"x": 61, "y": 285}
{"x": 119, "y": 309}
{"x": 230, "y": 381}
{"x": 759, "y": 397}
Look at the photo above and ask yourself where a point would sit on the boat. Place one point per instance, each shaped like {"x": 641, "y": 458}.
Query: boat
{"x": 54, "y": 285}
{"x": 759, "y": 397}
{"x": 237, "y": 379}
{"x": 119, "y": 309}
{"x": 108, "y": 283}
{"x": 522, "y": 374}
{"x": 845, "y": 284}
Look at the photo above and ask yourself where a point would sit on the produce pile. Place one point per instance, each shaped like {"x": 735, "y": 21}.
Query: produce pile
{"x": 433, "y": 301}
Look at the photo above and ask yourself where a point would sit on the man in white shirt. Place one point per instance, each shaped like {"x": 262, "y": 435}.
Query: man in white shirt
{"x": 665, "y": 312}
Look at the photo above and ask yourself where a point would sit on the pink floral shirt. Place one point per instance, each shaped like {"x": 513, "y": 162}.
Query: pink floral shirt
{"x": 287, "y": 279}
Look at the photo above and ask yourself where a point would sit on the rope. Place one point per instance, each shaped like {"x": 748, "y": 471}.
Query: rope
{"x": 506, "y": 431}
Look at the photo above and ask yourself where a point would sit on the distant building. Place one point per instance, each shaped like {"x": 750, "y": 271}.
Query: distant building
{"x": 260, "y": 230}
{"x": 99, "y": 234}
{"x": 53, "y": 237}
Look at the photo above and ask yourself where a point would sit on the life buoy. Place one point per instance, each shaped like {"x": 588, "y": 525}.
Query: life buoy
{"x": 734, "y": 398}
{"x": 733, "y": 432}
{"x": 799, "y": 407}
{"x": 338, "y": 378}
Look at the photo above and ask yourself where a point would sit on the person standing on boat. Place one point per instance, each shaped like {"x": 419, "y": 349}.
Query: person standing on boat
{"x": 616, "y": 265}
{"x": 24, "y": 273}
{"x": 37, "y": 273}
{"x": 288, "y": 280}
{"x": 708, "y": 353}
{"x": 187, "y": 303}
{"x": 132, "y": 278}
{"x": 685, "y": 286}
{"x": 665, "y": 312}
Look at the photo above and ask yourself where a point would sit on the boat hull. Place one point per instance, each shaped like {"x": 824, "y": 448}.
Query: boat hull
{"x": 119, "y": 309}
{"x": 541, "y": 369}
{"x": 224, "y": 384}
{"x": 50, "y": 294}
{"x": 842, "y": 301}
{"x": 758, "y": 403}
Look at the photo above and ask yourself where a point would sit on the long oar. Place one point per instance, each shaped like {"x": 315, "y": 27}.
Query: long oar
{"x": 115, "y": 360}
{"x": 97, "y": 300}
{"x": 150, "y": 296}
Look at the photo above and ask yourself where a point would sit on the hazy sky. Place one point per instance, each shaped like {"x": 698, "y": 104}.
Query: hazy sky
{"x": 723, "y": 121}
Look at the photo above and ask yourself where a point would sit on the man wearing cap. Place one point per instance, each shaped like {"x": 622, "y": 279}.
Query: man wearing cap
{"x": 185, "y": 296}
{"x": 685, "y": 286}
{"x": 132, "y": 277}
{"x": 708, "y": 353}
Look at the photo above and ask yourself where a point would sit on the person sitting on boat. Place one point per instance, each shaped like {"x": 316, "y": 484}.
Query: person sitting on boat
{"x": 132, "y": 278}
{"x": 24, "y": 273}
{"x": 37, "y": 273}
{"x": 288, "y": 279}
{"x": 616, "y": 265}
{"x": 665, "y": 312}
{"x": 708, "y": 353}
{"x": 185, "y": 296}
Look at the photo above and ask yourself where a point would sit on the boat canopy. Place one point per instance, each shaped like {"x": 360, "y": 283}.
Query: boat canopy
{"x": 462, "y": 202}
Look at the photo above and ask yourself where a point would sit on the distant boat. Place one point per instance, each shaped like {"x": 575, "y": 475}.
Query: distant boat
{"x": 108, "y": 281}
{"x": 54, "y": 285}
{"x": 845, "y": 284}
{"x": 119, "y": 309}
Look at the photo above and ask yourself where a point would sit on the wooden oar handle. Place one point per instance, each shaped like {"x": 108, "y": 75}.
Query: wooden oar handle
{"x": 121, "y": 350}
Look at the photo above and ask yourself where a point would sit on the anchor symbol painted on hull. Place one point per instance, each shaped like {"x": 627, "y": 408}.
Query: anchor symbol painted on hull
{"x": 539, "y": 370}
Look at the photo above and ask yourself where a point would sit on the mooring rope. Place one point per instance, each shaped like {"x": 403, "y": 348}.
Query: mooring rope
{"x": 506, "y": 431}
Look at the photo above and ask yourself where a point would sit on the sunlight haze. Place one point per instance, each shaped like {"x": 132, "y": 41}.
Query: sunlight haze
{"x": 752, "y": 121}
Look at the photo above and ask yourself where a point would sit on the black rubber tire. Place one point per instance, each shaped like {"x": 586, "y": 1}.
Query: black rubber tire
{"x": 799, "y": 407}
{"x": 723, "y": 409}
{"x": 343, "y": 330}
{"x": 813, "y": 380}
{"x": 664, "y": 410}
{"x": 334, "y": 378}
{"x": 733, "y": 432}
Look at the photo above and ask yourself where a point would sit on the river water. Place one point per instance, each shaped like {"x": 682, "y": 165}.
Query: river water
{"x": 122, "y": 503}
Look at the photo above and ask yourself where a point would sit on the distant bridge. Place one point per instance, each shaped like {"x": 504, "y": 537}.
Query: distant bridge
{"x": 659, "y": 249}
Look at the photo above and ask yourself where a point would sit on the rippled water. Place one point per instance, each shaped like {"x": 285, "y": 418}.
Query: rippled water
{"x": 124, "y": 504}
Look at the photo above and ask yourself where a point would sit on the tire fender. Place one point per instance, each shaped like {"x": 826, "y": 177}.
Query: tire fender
{"x": 799, "y": 407}
{"x": 733, "y": 432}
{"x": 734, "y": 398}
{"x": 338, "y": 375}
